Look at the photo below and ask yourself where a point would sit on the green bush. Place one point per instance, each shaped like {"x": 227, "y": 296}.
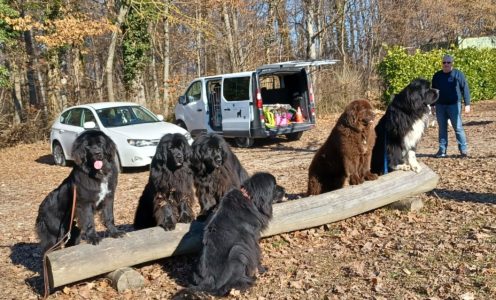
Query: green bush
{"x": 398, "y": 68}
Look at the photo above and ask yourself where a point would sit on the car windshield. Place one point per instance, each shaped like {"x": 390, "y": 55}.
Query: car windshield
{"x": 125, "y": 115}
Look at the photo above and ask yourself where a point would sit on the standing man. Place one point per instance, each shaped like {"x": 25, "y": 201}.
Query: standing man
{"x": 452, "y": 85}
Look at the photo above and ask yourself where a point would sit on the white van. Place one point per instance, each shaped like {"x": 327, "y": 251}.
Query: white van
{"x": 275, "y": 99}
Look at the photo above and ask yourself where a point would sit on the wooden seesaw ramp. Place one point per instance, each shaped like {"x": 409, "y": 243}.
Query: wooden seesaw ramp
{"x": 84, "y": 261}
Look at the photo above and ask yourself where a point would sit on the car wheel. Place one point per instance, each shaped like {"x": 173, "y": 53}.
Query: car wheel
{"x": 118, "y": 163}
{"x": 294, "y": 136}
{"x": 244, "y": 142}
{"x": 181, "y": 124}
{"x": 58, "y": 155}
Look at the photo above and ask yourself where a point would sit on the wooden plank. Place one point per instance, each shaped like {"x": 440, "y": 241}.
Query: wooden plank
{"x": 84, "y": 261}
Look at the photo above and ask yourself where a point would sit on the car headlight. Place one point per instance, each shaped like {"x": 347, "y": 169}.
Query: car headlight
{"x": 142, "y": 143}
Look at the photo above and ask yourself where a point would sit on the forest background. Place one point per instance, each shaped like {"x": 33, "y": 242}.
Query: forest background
{"x": 55, "y": 54}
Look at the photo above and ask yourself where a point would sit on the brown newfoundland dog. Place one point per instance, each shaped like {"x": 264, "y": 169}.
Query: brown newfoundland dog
{"x": 344, "y": 158}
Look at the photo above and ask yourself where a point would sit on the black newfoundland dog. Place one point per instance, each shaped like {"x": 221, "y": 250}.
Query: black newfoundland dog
{"x": 169, "y": 195}
{"x": 401, "y": 128}
{"x": 94, "y": 177}
{"x": 231, "y": 254}
{"x": 216, "y": 169}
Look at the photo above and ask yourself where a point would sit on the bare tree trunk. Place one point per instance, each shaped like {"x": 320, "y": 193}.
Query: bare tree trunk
{"x": 31, "y": 70}
{"x": 342, "y": 32}
{"x": 198, "y": 40}
{"x": 166, "y": 62}
{"x": 230, "y": 40}
{"x": 311, "y": 51}
{"x": 240, "y": 57}
{"x": 155, "y": 98}
{"x": 269, "y": 35}
{"x": 17, "y": 96}
{"x": 109, "y": 67}
{"x": 137, "y": 93}
{"x": 318, "y": 27}
{"x": 282, "y": 23}
{"x": 54, "y": 86}
{"x": 78, "y": 74}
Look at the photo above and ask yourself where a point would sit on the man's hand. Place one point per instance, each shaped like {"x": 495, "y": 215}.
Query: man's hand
{"x": 467, "y": 109}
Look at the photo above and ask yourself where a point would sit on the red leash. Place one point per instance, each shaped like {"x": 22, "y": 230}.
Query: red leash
{"x": 59, "y": 243}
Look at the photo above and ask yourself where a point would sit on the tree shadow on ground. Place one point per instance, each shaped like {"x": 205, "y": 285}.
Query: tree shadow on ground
{"x": 30, "y": 256}
{"x": 464, "y": 196}
{"x": 181, "y": 268}
{"x": 45, "y": 159}
{"x": 477, "y": 123}
{"x": 280, "y": 144}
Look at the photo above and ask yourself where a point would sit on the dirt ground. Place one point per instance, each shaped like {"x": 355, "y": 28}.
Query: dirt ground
{"x": 447, "y": 250}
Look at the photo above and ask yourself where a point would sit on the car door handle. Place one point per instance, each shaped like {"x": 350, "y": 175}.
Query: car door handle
{"x": 61, "y": 131}
{"x": 199, "y": 109}
{"x": 228, "y": 109}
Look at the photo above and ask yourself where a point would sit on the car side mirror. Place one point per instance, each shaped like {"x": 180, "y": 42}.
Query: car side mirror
{"x": 182, "y": 100}
{"x": 160, "y": 117}
{"x": 89, "y": 125}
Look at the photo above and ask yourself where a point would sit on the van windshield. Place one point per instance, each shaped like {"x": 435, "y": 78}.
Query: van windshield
{"x": 237, "y": 89}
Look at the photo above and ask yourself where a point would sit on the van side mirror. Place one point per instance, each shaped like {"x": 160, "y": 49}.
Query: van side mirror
{"x": 182, "y": 100}
{"x": 160, "y": 117}
{"x": 89, "y": 125}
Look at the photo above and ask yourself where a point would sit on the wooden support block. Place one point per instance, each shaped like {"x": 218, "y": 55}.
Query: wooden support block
{"x": 408, "y": 204}
{"x": 126, "y": 279}
{"x": 84, "y": 261}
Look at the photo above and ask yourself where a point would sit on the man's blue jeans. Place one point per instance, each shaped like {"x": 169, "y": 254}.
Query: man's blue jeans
{"x": 453, "y": 113}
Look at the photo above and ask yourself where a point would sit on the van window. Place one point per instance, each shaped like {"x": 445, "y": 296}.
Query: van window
{"x": 237, "y": 89}
{"x": 194, "y": 92}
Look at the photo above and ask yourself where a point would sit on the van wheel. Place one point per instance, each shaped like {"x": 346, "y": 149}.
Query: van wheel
{"x": 244, "y": 142}
{"x": 58, "y": 155}
{"x": 181, "y": 124}
{"x": 294, "y": 136}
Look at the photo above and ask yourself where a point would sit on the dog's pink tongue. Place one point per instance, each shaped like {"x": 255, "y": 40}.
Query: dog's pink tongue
{"x": 98, "y": 164}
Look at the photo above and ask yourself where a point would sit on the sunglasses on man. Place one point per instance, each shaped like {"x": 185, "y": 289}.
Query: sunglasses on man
{"x": 446, "y": 62}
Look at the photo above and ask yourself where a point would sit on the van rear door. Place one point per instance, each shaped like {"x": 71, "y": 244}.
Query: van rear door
{"x": 296, "y": 64}
{"x": 236, "y": 104}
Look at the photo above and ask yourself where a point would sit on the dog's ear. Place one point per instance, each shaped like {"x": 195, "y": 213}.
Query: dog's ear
{"x": 187, "y": 150}
{"x": 261, "y": 187}
{"x": 226, "y": 150}
{"x": 350, "y": 115}
{"x": 109, "y": 148}
{"x": 197, "y": 155}
{"x": 78, "y": 152}
{"x": 161, "y": 151}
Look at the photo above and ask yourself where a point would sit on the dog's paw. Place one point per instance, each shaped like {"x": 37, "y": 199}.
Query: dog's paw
{"x": 416, "y": 168}
{"x": 168, "y": 226}
{"x": 94, "y": 239}
{"x": 186, "y": 218}
{"x": 117, "y": 233}
{"x": 355, "y": 179}
{"x": 402, "y": 167}
{"x": 262, "y": 269}
{"x": 370, "y": 176}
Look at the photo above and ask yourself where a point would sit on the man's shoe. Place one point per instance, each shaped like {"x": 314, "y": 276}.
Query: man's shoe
{"x": 440, "y": 154}
{"x": 463, "y": 154}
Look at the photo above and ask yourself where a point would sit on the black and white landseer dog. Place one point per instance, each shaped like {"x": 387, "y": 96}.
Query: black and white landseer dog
{"x": 216, "y": 169}
{"x": 401, "y": 128}
{"x": 95, "y": 177}
{"x": 169, "y": 195}
{"x": 231, "y": 256}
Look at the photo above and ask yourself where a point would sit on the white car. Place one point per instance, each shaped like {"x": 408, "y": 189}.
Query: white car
{"x": 134, "y": 129}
